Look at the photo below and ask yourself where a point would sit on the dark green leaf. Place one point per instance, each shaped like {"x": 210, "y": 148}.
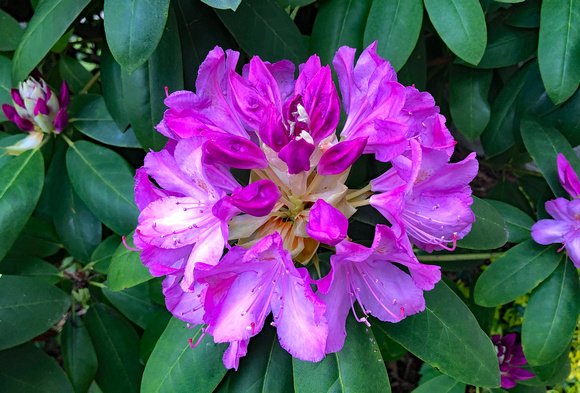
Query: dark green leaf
{"x": 94, "y": 121}
{"x": 133, "y": 29}
{"x": 126, "y": 269}
{"x": 111, "y": 80}
{"x": 104, "y": 181}
{"x": 559, "y": 48}
{"x": 554, "y": 372}
{"x": 37, "y": 239}
{"x": 518, "y": 223}
{"x": 396, "y": 25}
{"x": 29, "y": 266}
{"x": 551, "y": 315}
{"x": 525, "y": 15}
{"x": 20, "y": 187}
{"x": 50, "y": 21}
{"x": 533, "y": 99}
{"x": 357, "y": 367}
{"x": 144, "y": 89}
{"x": 76, "y": 75}
{"x": 507, "y": 190}
{"x": 134, "y": 303}
{"x": 461, "y": 25}
{"x": 28, "y": 307}
{"x": 152, "y": 333}
{"x": 10, "y": 32}
{"x": 516, "y": 273}
{"x": 5, "y": 84}
{"x": 544, "y": 144}
{"x": 266, "y": 368}
{"x": 28, "y": 369}
{"x": 414, "y": 72}
{"x": 117, "y": 346}
{"x": 101, "y": 258}
{"x": 390, "y": 349}
{"x": 441, "y": 384}
{"x": 78, "y": 353}
{"x": 488, "y": 231}
{"x": 338, "y": 23}
{"x": 447, "y": 336}
{"x": 468, "y": 90}
{"x": 567, "y": 119}
{"x": 262, "y": 28}
{"x": 175, "y": 367}
{"x": 223, "y": 4}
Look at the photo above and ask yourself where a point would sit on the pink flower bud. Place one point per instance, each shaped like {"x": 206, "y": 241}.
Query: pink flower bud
{"x": 234, "y": 151}
{"x": 326, "y": 223}
{"x": 341, "y": 156}
{"x": 257, "y": 199}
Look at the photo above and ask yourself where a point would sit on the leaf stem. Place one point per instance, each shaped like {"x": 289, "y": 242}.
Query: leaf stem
{"x": 90, "y": 83}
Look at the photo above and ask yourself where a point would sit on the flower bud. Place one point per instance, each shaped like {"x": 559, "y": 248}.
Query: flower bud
{"x": 257, "y": 199}
{"x": 341, "y": 156}
{"x": 326, "y": 224}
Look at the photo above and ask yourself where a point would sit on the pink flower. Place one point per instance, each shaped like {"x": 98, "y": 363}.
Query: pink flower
{"x": 510, "y": 355}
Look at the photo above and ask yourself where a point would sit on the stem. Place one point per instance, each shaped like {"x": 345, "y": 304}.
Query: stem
{"x": 67, "y": 140}
{"x": 364, "y": 202}
{"x": 356, "y": 193}
{"x": 459, "y": 257}
{"x": 90, "y": 84}
{"x": 97, "y": 284}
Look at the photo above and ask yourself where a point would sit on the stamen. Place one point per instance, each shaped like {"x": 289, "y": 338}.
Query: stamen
{"x": 364, "y": 202}
{"x": 191, "y": 344}
{"x": 166, "y": 92}
{"x": 356, "y": 193}
{"x": 127, "y": 246}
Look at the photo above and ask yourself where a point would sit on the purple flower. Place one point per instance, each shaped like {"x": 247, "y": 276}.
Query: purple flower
{"x": 510, "y": 355}
{"x": 565, "y": 227}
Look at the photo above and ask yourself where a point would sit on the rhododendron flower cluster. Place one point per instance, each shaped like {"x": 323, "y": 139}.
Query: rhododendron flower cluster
{"x": 234, "y": 249}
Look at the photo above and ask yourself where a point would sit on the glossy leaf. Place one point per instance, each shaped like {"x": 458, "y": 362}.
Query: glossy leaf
{"x": 152, "y": 332}
{"x": 10, "y": 32}
{"x": 441, "y": 384}
{"x": 488, "y": 231}
{"x": 525, "y": 15}
{"x": 518, "y": 223}
{"x": 50, "y": 21}
{"x": 28, "y": 307}
{"x": 76, "y": 76}
{"x": 338, "y": 23}
{"x": 28, "y": 369}
{"x": 126, "y": 269}
{"x": 5, "y": 84}
{"x": 134, "y": 303}
{"x": 559, "y": 48}
{"x": 101, "y": 258}
{"x": 551, "y": 315}
{"x": 20, "y": 187}
{"x": 144, "y": 89}
{"x": 396, "y": 25}
{"x": 117, "y": 347}
{"x": 94, "y": 121}
{"x": 262, "y": 28}
{"x": 266, "y": 368}
{"x": 346, "y": 370}
{"x": 37, "y": 239}
{"x": 30, "y": 267}
{"x": 113, "y": 95}
{"x": 461, "y": 25}
{"x": 223, "y": 4}
{"x": 516, "y": 273}
{"x": 175, "y": 367}
{"x": 544, "y": 144}
{"x": 447, "y": 336}
{"x": 78, "y": 353}
{"x": 104, "y": 181}
{"x": 508, "y": 45}
{"x": 470, "y": 109}
{"x": 390, "y": 349}
{"x": 557, "y": 371}
{"x": 133, "y": 29}
{"x": 414, "y": 72}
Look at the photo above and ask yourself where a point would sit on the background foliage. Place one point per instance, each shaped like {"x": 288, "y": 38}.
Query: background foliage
{"x": 78, "y": 311}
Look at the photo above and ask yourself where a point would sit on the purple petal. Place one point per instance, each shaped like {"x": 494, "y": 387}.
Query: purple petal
{"x": 507, "y": 381}
{"x": 326, "y": 223}
{"x": 568, "y": 178}
{"x": 343, "y": 62}
{"x": 338, "y": 304}
{"x": 573, "y": 250}
{"x": 521, "y": 374}
{"x": 235, "y": 351}
{"x": 187, "y": 306}
{"x": 16, "y": 98}
{"x": 272, "y": 131}
{"x": 24, "y": 124}
{"x": 322, "y": 105}
{"x": 296, "y": 155}
{"x": 236, "y": 152}
{"x": 341, "y": 156}
{"x": 145, "y": 192}
{"x": 307, "y": 72}
{"x": 258, "y": 198}
{"x": 550, "y": 231}
{"x": 64, "y": 96}
{"x": 9, "y": 112}
{"x": 61, "y": 120}
{"x": 559, "y": 208}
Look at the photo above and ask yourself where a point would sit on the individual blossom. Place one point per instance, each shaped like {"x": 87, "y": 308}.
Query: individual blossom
{"x": 565, "y": 226}
{"x": 36, "y": 110}
{"x": 234, "y": 249}
{"x": 510, "y": 356}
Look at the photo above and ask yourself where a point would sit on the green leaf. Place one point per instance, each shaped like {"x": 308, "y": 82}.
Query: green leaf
{"x": 525, "y": 15}
{"x": 76, "y": 75}
{"x": 357, "y": 367}
{"x": 551, "y": 315}
{"x": 144, "y": 89}
{"x": 488, "y": 231}
{"x": 262, "y": 28}
{"x": 28, "y": 307}
{"x": 103, "y": 254}
{"x": 29, "y": 266}
{"x": 94, "y": 121}
{"x": 338, "y": 23}
{"x": 544, "y": 144}
{"x": 28, "y": 369}
{"x": 554, "y": 372}
{"x": 468, "y": 90}
{"x": 223, "y": 4}
{"x": 126, "y": 269}
{"x": 498, "y": 135}
{"x": 447, "y": 336}
{"x": 133, "y": 29}
{"x": 559, "y": 48}
{"x": 441, "y": 384}
{"x": 390, "y": 349}
{"x": 10, "y": 32}
{"x": 37, "y": 239}
{"x": 518, "y": 223}
{"x": 461, "y": 25}
{"x": 134, "y": 303}
{"x": 507, "y": 190}
{"x": 117, "y": 346}
{"x": 415, "y": 69}
{"x": 20, "y": 187}
{"x": 516, "y": 273}
{"x": 113, "y": 95}
{"x": 104, "y": 181}
{"x": 175, "y": 367}
{"x": 78, "y": 353}
{"x": 50, "y": 21}
{"x": 5, "y": 85}
{"x": 266, "y": 368}
{"x": 152, "y": 332}
{"x": 396, "y": 25}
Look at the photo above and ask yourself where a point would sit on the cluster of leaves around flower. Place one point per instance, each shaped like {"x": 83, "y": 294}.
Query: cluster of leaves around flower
{"x": 66, "y": 277}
